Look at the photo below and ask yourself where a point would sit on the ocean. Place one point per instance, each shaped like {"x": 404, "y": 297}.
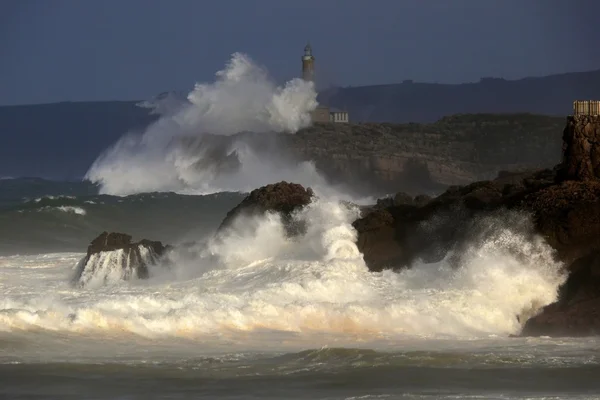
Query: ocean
{"x": 259, "y": 315}
{"x": 253, "y": 313}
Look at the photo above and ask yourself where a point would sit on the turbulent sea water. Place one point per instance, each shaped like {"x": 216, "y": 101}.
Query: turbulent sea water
{"x": 261, "y": 316}
{"x": 255, "y": 314}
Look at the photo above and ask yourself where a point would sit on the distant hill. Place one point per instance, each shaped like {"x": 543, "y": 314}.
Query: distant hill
{"x": 61, "y": 140}
{"x": 428, "y": 102}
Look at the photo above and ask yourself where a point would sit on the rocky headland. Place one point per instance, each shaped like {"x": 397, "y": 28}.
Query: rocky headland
{"x": 563, "y": 204}
{"x": 375, "y": 158}
{"x": 381, "y": 158}
{"x": 429, "y": 157}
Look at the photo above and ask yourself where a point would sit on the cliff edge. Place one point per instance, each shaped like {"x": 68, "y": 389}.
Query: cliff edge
{"x": 428, "y": 158}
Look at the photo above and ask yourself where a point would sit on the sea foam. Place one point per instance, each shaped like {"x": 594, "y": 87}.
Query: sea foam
{"x": 256, "y": 282}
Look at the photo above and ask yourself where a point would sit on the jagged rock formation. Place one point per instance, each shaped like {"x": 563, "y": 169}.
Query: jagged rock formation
{"x": 566, "y": 214}
{"x": 113, "y": 257}
{"x": 564, "y": 204}
{"x": 577, "y": 313}
{"x": 393, "y": 235}
{"x": 564, "y": 209}
{"x": 282, "y": 197}
{"x": 581, "y": 148}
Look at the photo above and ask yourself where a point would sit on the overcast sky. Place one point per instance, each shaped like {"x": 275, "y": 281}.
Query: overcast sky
{"x": 59, "y": 50}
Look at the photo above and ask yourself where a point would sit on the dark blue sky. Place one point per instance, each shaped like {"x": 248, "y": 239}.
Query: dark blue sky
{"x": 57, "y": 50}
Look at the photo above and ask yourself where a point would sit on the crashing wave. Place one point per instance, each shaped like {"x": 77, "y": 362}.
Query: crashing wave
{"x": 111, "y": 258}
{"x": 177, "y": 154}
{"x": 260, "y": 280}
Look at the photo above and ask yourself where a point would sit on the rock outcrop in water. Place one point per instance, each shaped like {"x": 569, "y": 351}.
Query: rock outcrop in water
{"x": 113, "y": 257}
{"x": 282, "y": 197}
{"x": 392, "y": 235}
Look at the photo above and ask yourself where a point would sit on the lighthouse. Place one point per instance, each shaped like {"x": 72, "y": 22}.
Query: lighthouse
{"x": 322, "y": 113}
{"x": 308, "y": 64}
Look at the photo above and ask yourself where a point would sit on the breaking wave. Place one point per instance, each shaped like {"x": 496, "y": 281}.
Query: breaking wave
{"x": 67, "y": 209}
{"x": 255, "y": 282}
{"x": 182, "y": 152}
{"x": 110, "y": 267}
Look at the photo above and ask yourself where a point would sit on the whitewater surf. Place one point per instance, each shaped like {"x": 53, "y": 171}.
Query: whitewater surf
{"x": 254, "y": 312}
{"x": 245, "y": 309}
{"x": 259, "y": 279}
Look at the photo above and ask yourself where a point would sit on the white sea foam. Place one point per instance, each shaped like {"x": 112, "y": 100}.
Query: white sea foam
{"x": 113, "y": 267}
{"x": 75, "y": 210}
{"x": 52, "y": 198}
{"x": 66, "y": 209}
{"x": 255, "y": 281}
{"x": 242, "y": 98}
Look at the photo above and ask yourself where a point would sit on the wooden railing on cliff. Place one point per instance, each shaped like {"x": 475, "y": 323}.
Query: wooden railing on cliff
{"x": 586, "y": 107}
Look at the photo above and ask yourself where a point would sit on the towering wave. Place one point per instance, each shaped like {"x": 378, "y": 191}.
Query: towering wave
{"x": 177, "y": 154}
{"x": 257, "y": 282}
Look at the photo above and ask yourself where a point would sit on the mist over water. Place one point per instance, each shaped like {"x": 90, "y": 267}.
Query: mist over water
{"x": 241, "y": 99}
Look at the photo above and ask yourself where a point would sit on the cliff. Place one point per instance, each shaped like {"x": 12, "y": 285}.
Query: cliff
{"x": 418, "y": 158}
{"x": 69, "y": 136}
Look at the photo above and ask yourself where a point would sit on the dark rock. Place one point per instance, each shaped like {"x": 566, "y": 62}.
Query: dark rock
{"x": 563, "y": 203}
{"x": 377, "y": 240}
{"x": 567, "y": 215}
{"x": 581, "y": 148}
{"x": 283, "y": 198}
{"x": 385, "y": 202}
{"x": 399, "y": 199}
{"x": 132, "y": 258}
{"x": 421, "y": 200}
{"x": 577, "y": 312}
{"x": 403, "y": 199}
{"x": 116, "y": 241}
{"x": 430, "y": 228}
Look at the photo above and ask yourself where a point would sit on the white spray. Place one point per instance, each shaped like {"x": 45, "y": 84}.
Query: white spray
{"x": 256, "y": 282}
{"x": 242, "y": 98}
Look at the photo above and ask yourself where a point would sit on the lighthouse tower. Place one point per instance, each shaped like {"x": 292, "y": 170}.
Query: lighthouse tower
{"x": 308, "y": 64}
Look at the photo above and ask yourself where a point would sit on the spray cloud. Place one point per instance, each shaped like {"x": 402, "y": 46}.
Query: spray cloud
{"x": 242, "y": 98}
